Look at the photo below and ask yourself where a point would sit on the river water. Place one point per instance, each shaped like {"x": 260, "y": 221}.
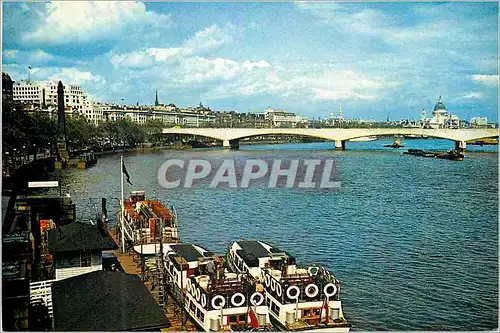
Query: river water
{"x": 413, "y": 240}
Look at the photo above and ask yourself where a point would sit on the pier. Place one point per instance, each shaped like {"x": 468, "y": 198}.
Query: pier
{"x": 130, "y": 264}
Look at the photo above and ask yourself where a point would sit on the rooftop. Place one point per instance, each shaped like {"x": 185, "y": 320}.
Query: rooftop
{"x": 105, "y": 301}
{"x": 79, "y": 236}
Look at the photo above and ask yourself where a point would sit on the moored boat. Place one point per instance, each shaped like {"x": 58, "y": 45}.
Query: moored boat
{"x": 299, "y": 298}
{"x": 148, "y": 221}
{"x": 216, "y": 300}
{"x": 452, "y": 154}
{"x": 395, "y": 144}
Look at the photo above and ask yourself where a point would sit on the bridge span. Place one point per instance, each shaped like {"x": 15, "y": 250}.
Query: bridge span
{"x": 231, "y": 136}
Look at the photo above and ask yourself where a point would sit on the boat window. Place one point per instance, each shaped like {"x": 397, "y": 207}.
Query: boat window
{"x": 306, "y": 312}
{"x": 316, "y": 312}
{"x": 192, "y": 306}
{"x": 233, "y": 319}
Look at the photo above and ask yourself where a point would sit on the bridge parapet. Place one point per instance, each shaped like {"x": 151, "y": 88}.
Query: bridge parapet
{"x": 336, "y": 134}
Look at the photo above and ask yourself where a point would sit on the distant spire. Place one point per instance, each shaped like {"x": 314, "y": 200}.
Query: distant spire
{"x": 156, "y": 100}
{"x": 340, "y": 112}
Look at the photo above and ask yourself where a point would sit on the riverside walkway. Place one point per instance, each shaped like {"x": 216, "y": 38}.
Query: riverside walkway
{"x": 172, "y": 311}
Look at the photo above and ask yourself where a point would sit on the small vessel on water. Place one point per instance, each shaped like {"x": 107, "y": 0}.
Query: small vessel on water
{"x": 419, "y": 152}
{"x": 395, "y": 144}
{"x": 299, "y": 298}
{"x": 148, "y": 221}
{"x": 450, "y": 155}
{"x": 215, "y": 299}
{"x": 481, "y": 142}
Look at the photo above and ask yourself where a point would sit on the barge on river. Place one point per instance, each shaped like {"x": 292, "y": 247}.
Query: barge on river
{"x": 299, "y": 298}
{"x": 148, "y": 221}
{"x": 215, "y": 299}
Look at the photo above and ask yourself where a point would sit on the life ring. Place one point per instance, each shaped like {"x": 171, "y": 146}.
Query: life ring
{"x": 193, "y": 289}
{"x": 203, "y": 300}
{"x": 253, "y": 301}
{"x": 279, "y": 291}
{"x": 188, "y": 284}
{"x": 313, "y": 270}
{"x": 311, "y": 293}
{"x": 330, "y": 294}
{"x": 238, "y": 303}
{"x": 198, "y": 294}
{"x": 273, "y": 285}
{"x": 221, "y": 304}
{"x": 297, "y": 292}
{"x": 267, "y": 280}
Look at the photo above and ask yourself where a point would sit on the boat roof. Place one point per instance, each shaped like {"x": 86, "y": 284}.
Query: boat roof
{"x": 187, "y": 251}
{"x": 256, "y": 249}
{"x": 152, "y": 248}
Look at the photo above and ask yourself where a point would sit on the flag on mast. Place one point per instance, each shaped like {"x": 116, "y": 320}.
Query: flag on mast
{"x": 324, "y": 307}
{"x": 254, "y": 323}
{"x": 124, "y": 170}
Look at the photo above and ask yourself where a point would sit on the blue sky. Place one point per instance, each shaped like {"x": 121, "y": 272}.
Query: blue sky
{"x": 376, "y": 59}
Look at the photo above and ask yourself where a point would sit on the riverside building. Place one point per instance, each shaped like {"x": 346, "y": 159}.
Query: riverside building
{"x": 280, "y": 118}
{"x": 43, "y": 96}
{"x": 441, "y": 118}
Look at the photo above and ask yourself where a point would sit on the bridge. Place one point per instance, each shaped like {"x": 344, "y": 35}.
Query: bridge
{"x": 230, "y": 136}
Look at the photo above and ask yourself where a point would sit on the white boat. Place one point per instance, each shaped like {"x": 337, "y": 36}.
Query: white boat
{"x": 364, "y": 139}
{"x": 146, "y": 221}
{"x": 302, "y": 299}
{"x": 216, "y": 300}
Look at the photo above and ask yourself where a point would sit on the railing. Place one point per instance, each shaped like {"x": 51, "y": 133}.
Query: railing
{"x": 41, "y": 292}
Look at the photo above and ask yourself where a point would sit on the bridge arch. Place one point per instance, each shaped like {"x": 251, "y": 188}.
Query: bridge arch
{"x": 336, "y": 134}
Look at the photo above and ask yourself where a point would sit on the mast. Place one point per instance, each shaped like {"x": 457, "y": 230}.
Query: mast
{"x": 122, "y": 206}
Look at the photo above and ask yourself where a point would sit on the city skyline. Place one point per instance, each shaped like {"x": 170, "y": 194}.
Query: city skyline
{"x": 376, "y": 59}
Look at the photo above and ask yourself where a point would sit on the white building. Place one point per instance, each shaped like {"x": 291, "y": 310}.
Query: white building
{"x": 141, "y": 114}
{"x": 280, "y": 118}
{"x": 479, "y": 121}
{"x": 441, "y": 118}
{"x": 44, "y": 95}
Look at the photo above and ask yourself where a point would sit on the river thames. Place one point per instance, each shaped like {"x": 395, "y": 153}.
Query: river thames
{"x": 413, "y": 240}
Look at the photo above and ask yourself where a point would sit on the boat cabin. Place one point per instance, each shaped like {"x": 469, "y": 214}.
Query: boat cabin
{"x": 215, "y": 298}
{"x": 297, "y": 297}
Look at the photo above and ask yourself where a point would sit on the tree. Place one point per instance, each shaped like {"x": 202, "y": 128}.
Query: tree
{"x": 80, "y": 132}
{"x": 153, "y": 130}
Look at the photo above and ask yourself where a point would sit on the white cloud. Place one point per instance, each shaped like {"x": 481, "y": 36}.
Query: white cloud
{"x": 132, "y": 60}
{"x": 488, "y": 80}
{"x": 68, "y": 75}
{"x": 82, "y": 21}
{"x": 472, "y": 95}
{"x": 28, "y": 57}
{"x": 326, "y": 85}
{"x": 208, "y": 38}
{"x": 203, "y": 41}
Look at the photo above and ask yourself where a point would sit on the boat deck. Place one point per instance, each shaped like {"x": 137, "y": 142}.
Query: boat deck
{"x": 172, "y": 311}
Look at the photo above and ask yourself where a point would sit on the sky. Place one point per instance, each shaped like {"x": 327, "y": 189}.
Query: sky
{"x": 377, "y": 60}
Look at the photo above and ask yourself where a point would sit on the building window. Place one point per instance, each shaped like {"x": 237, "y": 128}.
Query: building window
{"x": 85, "y": 258}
